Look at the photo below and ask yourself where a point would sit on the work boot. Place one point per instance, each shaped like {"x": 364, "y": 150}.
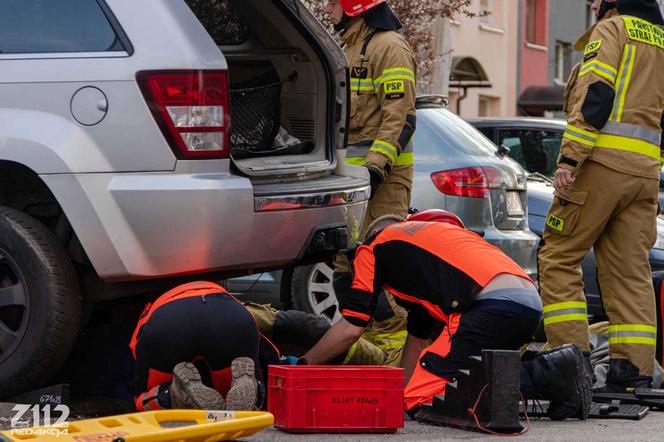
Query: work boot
{"x": 244, "y": 387}
{"x": 559, "y": 376}
{"x": 188, "y": 391}
{"x": 623, "y": 376}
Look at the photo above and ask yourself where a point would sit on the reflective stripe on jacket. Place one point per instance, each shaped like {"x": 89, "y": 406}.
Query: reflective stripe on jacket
{"x": 616, "y": 108}
{"x": 382, "y": 120}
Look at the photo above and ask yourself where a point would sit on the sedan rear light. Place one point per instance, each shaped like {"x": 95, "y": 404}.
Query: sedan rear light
{"x": 473, "y": 182}
{"x": 192, "y": 110}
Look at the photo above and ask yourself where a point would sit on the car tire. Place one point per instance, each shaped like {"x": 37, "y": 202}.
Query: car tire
{"x": 312, "y": 291}
{"x": 40, "y": 305}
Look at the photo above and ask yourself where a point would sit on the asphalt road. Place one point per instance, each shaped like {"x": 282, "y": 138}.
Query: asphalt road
{"x": 650, "y": 428}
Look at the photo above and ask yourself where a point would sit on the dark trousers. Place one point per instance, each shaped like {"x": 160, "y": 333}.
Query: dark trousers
{"x": 486, "y": 325}
{"x": 209, "y": 331}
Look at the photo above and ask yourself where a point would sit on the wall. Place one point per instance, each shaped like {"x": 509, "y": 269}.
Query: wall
{"x": 568, "y": 19}
{"x": 492, "y": 41}
{"x": 534, "y": 54}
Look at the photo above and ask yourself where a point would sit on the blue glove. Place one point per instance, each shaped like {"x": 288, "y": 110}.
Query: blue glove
{"x": 288, "y": 360}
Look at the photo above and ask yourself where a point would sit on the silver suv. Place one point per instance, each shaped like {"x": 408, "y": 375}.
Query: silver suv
{"x": 136, "y": 151}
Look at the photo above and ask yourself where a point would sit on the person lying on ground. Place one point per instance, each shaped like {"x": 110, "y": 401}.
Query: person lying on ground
{"x": 295, "y": 332}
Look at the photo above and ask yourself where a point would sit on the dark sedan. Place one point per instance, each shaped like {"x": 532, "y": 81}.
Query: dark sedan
{"x": 535, "y": 143}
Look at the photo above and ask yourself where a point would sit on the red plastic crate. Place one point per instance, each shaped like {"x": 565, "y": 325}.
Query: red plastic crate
{"x": 336, "y": 399}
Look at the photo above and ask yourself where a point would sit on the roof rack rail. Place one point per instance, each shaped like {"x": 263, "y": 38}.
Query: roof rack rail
{"x": 432, "y": 99}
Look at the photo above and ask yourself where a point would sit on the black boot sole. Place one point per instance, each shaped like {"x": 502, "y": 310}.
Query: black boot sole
{"x": 584, "y": 386}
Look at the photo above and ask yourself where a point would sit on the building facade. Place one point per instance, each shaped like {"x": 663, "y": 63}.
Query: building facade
{"x": 536, "y": 96}
{"x": 485, "y": 42}
{"x": 567, "y": 21}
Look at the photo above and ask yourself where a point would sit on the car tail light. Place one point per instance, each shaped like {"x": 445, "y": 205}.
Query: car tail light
{"x": 192, "y": 110}
{"x": 474, "y": 182}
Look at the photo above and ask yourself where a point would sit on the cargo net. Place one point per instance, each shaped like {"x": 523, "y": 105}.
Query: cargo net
{"x": 255, "y": 112}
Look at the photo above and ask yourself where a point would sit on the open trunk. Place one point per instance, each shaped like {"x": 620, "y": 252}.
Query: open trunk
{"x": 286, "y": 83}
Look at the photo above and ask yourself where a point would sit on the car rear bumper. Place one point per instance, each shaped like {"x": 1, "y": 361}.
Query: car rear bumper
{"x": 520, "y": 245}
{"x": 151, "y": 225}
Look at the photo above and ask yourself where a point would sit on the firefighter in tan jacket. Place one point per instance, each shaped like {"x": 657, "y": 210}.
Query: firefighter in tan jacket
{"x": 382, "y": 122}
{"x": 606, "y": 190}
{"x": 382, "y": 117}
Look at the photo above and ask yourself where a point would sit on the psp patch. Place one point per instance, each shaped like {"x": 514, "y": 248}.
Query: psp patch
{"x": 394, "y": 89}
{"x": 555, "y": 223}
{"x": 592, "y": 49}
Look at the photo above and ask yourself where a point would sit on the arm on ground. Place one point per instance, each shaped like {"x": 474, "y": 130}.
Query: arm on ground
{"x": 335, "y": 342}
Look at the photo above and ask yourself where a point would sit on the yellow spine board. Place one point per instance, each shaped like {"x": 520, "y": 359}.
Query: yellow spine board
{"x": 152, "y": 426}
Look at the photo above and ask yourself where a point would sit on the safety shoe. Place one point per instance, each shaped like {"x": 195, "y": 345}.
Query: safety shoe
{"x": 559, "y": 375}
{"x": 188, "y": 391}
{"x": 244, "y": 387}
{"x": 623, "y": 376}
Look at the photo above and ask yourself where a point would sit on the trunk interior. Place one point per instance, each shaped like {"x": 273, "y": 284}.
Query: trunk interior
{"x": 279, "y": 88}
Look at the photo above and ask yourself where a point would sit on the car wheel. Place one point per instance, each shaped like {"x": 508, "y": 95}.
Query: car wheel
{"x": 39, "y": 303}
{"x": 312, "y": 291}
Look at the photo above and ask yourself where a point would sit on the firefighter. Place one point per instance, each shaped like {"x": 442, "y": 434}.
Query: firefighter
{"x": 606, "y": 190}
{"x": 382, "y": 86}
{"x": 199, "y": 325}
{"x": 443, "y": 274}
{"x": 382, "y": 123}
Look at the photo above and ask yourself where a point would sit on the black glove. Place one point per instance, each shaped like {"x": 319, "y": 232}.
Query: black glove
{"x": 376, "y": 177}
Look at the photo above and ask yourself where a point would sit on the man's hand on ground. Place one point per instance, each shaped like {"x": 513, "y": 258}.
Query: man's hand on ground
{"x": 563, "y": 179}
{"x": 288, "y": 360}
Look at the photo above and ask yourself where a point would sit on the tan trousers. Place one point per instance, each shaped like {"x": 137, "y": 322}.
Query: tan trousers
{"x": 616, "y": 214}
{"x": 392, "y": 197}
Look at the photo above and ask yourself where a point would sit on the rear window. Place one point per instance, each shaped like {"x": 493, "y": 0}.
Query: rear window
{"x": 221, "y": 21}
{"x": 535, "y": 149}
{"x": 437, "y": 126}
{"x": 54, "y": 26}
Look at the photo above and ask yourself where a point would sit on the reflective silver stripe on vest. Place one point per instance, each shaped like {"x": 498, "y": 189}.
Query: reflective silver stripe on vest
{"x": 624, "y": 73}
{"x": 363, "y": 151}
{"x": 633, "y": 131}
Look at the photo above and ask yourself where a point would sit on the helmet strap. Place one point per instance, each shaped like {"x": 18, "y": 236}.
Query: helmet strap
{"x": 343, "y": 23}
{"x": 604, "y": 8}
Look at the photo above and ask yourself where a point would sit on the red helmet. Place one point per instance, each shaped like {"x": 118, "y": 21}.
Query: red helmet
{"x": 356, "y": 7}
{"x": 436, "y": 216}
